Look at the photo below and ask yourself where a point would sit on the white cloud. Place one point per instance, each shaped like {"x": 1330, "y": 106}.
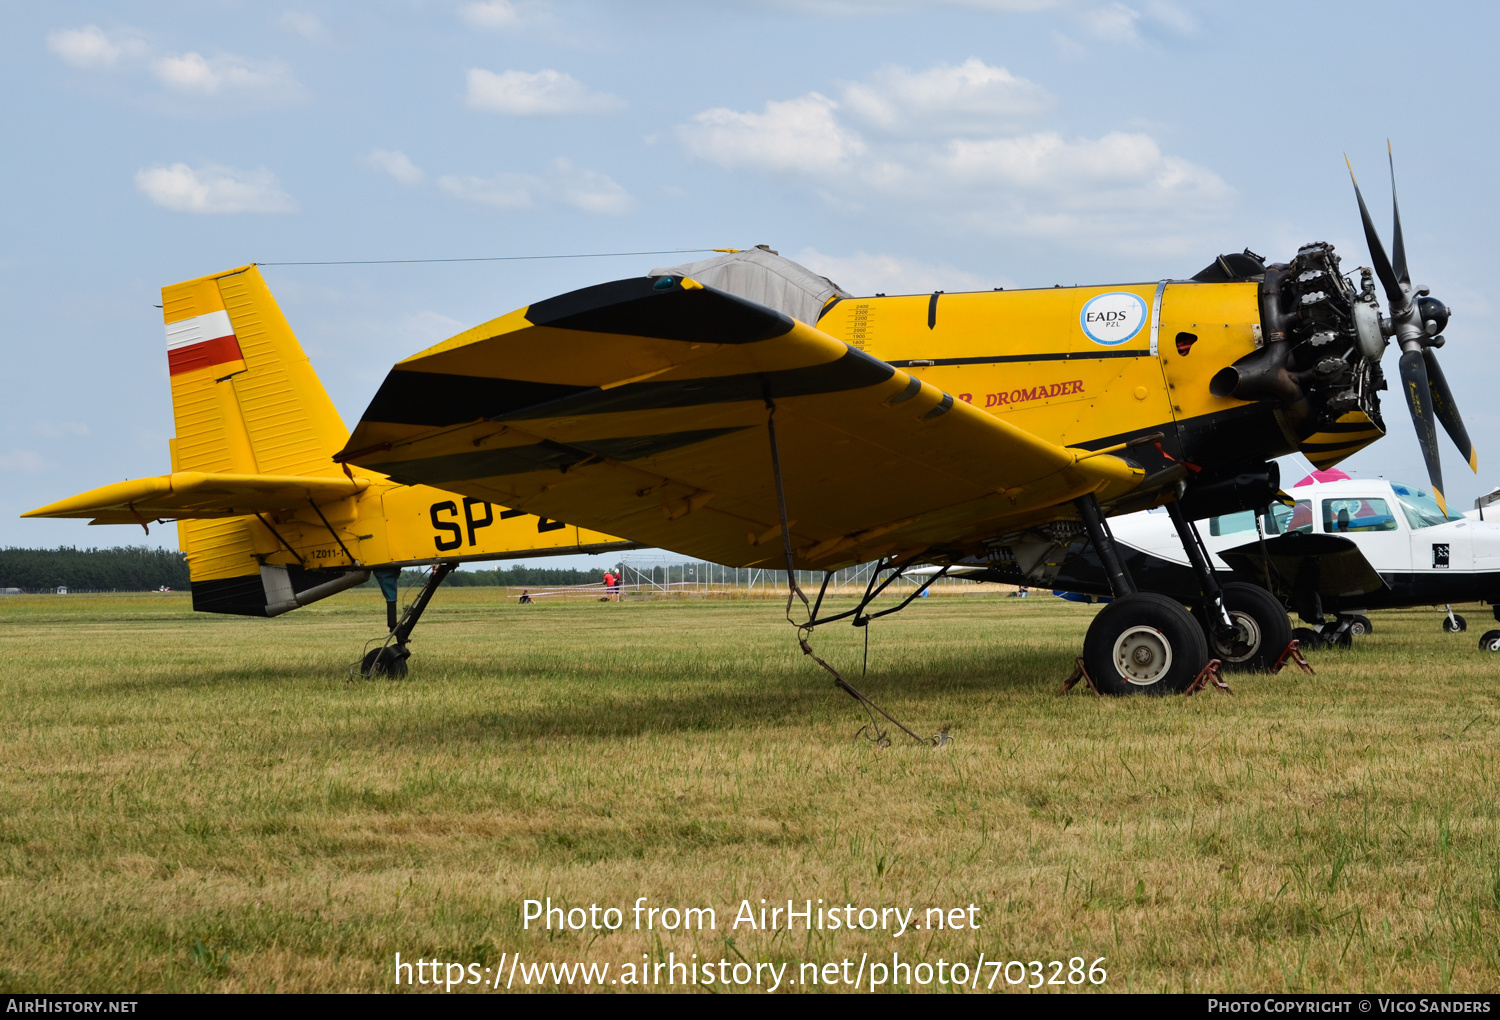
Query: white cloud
{"x": 492, "y": 14}
{"x": 301, "y": 23}
{"x": 1114, "y": 22}
{"x": 503, "y": 191}
{"x": 545, "y": 93}
{"x": 586, "y": 190}
{"x": 395, "y": 163}
{"x": 797, "y": 136}
{"x": 1119, "y": 191}
{"x": 973, "y": 96}
{"x": 864, "y": 274}
{"x": 21, "y": 460}
{"x": 91, "y": 46}
{"x": 195, "y": 74}
{"x": 213, "y": 189}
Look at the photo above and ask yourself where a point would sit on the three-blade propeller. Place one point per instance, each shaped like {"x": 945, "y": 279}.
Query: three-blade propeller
{"x": 1417, "y": 320}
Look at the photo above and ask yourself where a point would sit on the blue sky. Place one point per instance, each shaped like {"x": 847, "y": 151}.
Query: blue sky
{"x": 891, "y": 145}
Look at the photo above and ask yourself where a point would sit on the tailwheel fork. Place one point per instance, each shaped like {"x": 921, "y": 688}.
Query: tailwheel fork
{"x": 389, "y": 657}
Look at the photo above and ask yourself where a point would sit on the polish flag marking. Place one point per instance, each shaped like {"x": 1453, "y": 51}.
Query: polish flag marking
{"x": 201, "y": 342}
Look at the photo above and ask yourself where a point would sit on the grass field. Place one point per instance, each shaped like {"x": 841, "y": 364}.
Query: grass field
{"x": 201, "y": 803}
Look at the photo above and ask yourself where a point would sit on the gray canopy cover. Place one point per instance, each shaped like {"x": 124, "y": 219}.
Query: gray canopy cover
{"x": 760, "y": 275}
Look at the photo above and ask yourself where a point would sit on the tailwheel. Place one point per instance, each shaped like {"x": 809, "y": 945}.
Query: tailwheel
{"x": 387, "y": 660}
{"x": 1261, "y": 630}
{"x": 1144, "y": 643}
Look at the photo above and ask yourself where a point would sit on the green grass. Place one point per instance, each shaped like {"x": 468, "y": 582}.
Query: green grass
{"x": 203, "y": 803}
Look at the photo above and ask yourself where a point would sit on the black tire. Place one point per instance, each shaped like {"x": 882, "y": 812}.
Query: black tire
{"x": 1490, "y": 642}
{"x": 385, "y": 661}
{"x": 1455, "y": 624}
{"x": 1307, "y": 639}
{"x": 1148, "y": 637}
{"x": 1262, "y": 626}
{"x": 1359, "y": 626}
{"x": 1340, "y": 638}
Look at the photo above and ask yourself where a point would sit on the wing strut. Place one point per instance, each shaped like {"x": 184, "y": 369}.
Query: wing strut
{"x": 871, "y": 730}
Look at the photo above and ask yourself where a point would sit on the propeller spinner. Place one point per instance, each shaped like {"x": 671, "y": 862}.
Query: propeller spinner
{"x": 1416, "y": 320}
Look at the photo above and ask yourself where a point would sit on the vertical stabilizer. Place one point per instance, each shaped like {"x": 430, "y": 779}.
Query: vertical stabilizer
{"x": 246, "y": 401}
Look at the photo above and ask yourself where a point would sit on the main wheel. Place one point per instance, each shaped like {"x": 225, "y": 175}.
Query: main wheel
{"x": 1455, "y": 624}
{"x": 1359, "y": 626}
{"x": 1262, "y": 629}
{"x": 1144, "y": 643}
{"x": 1490, "y": 642}
{"x": 387, "y": 660}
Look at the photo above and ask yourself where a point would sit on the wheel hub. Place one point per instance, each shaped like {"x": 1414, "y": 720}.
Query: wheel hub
{"x": 1143, "y": 656}
{"x": 1245, "y": 642}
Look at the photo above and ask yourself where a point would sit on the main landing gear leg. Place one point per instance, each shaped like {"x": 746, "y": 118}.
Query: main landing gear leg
{"x": 1141, "y": 642}
{"x": 390, "y": 658}
{"x": 1245, "y": 626}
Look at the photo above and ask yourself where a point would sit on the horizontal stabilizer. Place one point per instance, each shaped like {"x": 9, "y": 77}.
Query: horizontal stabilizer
{"x": 197, "y": 495}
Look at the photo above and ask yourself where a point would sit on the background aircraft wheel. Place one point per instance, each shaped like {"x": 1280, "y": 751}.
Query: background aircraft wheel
{"x": 1342, "y": 639}
{"x": 1359, "y": 626}
{"x": 1261, "y": 626}
{"x": 1307, "y": 638}
{"x": 387, "y": 660}
{"x": 1490, "y": 642}
{"x": 1144, "y": 643}
{"x": 1456, "y": 625}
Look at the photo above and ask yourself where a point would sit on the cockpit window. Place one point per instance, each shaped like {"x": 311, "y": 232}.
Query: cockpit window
{"x": 1356, "y": 515}
{"x": 1420, "y": 508}
{"x": 1285, "y": 519}
{"x": 1232, "y": 524}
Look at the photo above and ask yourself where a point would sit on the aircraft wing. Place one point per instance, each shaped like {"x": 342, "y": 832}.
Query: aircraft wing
{"x": 1328, "y": 564}
{"x": 640, "y": 408}
{"x": 187, "y": 495}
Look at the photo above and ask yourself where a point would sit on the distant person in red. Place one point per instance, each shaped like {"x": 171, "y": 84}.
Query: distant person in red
{"x": 611, "y": 584}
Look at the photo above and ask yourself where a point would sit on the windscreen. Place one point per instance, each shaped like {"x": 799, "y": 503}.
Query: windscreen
{"x": 1420, "y": 508}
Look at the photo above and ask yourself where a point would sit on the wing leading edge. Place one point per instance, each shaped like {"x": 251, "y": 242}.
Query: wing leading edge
{"x": 640, "y": 408}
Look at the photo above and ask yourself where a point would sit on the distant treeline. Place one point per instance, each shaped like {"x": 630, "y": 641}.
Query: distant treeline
{"x": 132, "y": 568}
{"x": 519, "y": 577}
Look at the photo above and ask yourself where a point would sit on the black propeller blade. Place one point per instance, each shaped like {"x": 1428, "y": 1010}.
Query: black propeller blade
{"x": 1447, "y": 410}
{"x": 1398, "y": 246}
{"x": 1415, "y": 321}
{"x": 1418, "y": 389}
{"x": 1388, "y": 278}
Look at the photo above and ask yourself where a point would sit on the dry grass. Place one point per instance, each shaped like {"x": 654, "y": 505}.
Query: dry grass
{"x": 202, "y": 803}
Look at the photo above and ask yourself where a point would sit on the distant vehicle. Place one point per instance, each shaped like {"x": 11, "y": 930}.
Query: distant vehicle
{"x": 1345, "y": 547}
{"x": 62, "y": 589}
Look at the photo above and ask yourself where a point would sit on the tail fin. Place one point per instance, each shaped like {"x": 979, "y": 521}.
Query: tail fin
{"x": 246, "y": 401}
{"x": 245, "y": 397}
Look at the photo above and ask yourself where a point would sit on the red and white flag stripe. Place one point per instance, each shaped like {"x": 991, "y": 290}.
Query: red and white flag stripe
{"x": 201, "y": 342}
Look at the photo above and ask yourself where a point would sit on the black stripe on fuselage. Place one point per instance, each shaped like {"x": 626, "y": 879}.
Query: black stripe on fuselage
{"x": 418, "y": 398}
{"x": 546, "y": 455}
{"x": 1001, "y": 359}
{"x": 642, "y": 307}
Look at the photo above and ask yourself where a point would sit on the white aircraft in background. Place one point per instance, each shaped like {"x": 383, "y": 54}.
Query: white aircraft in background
{"x": 1347, "y": 546}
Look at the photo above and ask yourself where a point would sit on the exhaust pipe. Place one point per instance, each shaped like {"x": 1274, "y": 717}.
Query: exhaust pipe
{"x": 1262, "y": 375}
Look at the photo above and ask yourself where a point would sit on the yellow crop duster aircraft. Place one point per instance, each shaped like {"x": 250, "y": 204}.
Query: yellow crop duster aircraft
{"x": 268, "y": 520}
{"x": 747, "y": 412}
